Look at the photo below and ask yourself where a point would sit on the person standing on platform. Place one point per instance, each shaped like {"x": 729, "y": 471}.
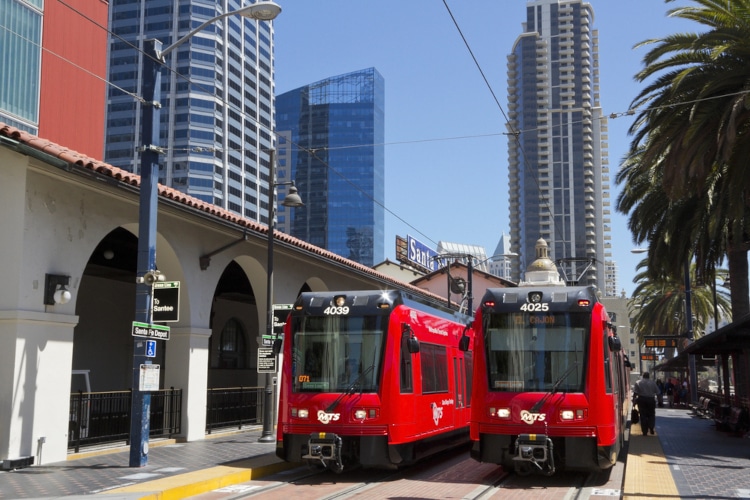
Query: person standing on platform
{"x": 645, "y": 392}
{"x": 669, "y": 388}
{"x": 660, "y": 395}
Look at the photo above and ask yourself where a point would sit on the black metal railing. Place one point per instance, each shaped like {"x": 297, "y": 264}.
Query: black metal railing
{"x": 234, "y": 407}
{"x": 99, "y": 418}
{"x": 104, "y": 417}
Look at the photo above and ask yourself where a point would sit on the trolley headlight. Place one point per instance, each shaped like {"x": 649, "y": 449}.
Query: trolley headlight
{"x": 500, "y": 412}
{"x": 535, "y": 297}
{"x": 300, "y": 413}
{"x": 577, "y": 414}
{"x": 362, "y": 413}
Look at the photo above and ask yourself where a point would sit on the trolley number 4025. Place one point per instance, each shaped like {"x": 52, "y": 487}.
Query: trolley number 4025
{"x": 538, "y": 307}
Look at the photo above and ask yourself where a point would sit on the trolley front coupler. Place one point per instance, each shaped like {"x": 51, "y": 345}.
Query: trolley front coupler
{"x": 534, "y": 449}
{"x": 324, "y": 446}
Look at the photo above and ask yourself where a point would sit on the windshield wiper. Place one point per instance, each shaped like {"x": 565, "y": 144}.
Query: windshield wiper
{"x": 552, "y": 391}
{"x": 350, "y": 389}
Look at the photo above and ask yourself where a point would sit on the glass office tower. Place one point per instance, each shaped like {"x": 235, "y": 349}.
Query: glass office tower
{"x": 217, "y": 99}
{"x": 558, "y": 166}
{"x": 335, "y": 155}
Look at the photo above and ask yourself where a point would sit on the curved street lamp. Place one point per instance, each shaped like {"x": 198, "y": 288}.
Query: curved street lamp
{"x": 152, "y": 62}
{"x": 292, "y": 199}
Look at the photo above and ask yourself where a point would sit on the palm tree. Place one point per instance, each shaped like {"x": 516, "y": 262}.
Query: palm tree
{"x": 658, "y": 306}
{"x": 692, "y": 138}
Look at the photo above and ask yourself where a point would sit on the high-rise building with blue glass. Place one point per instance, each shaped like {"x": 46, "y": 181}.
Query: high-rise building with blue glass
{"x": 334, "y": 152}
{"x": 217, "y": 117}
{"x": 558, "y": 166}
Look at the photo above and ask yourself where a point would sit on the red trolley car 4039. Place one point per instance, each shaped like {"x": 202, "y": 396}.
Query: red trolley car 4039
{"x": 373, "y": 379}
{"x": 551, "y": 383}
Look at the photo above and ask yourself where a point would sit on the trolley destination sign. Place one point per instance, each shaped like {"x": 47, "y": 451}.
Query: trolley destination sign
{"x": 150, "y": 331}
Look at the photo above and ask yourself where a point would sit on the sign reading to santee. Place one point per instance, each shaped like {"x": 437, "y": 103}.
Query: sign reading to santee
{"x": 150, "y": 331}
{"x": 166, "y": 301}
{"x": 280, "y": 314}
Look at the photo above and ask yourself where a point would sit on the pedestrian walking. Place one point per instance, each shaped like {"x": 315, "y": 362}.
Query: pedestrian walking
{"x": 645, "y": 391}
{"x": 660, "y": 395}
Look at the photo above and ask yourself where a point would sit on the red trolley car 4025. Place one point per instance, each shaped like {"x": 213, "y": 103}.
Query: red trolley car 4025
{"x": 551, "y": 383}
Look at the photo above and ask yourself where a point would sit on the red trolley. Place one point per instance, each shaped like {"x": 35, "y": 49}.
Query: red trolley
{"x": 551, "y": 382}
{"x": 372, "y": 379}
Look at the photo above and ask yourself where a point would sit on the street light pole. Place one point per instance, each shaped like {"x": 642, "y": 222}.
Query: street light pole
{"x": 152, "y": 60}
{"x": 291, "y": 200}
{"x": 690, "y": 335}
{"x": 150, "y": 114}
{"x": 689, "y": 326}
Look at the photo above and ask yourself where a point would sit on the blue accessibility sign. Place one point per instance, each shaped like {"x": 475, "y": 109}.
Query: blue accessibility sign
{"x": 150, "y": 348}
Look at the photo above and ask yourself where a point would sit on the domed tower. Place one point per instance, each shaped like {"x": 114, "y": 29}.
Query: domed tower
{"x": 542, "y": 271}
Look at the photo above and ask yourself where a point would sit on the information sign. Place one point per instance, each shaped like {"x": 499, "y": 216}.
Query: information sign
{"x": 648, "y": 357}
{"x": 266, "y": 360}
{"x": 150, "y": 348}
{"x": 149, "y": 378}
{"x": 661, "y": 341}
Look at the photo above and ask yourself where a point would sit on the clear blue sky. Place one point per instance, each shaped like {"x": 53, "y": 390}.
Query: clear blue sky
{"x": 446, "y": 155}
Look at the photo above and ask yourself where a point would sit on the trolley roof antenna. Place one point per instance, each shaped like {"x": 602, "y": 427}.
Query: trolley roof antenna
{"x": 559, "y": 263}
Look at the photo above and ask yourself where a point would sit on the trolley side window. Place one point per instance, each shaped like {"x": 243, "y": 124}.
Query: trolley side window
{"x": 469, "y": 366}
{"x": 608, "y": 356}
{"x": 434, "y": 368}
{"x": 406, "y": 367}
{"x": 534, "y": 352}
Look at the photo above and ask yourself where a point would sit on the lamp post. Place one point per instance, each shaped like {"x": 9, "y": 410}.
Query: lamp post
{"x": 468, "y": 291}
{"x": 292, "y": 199}
{"x": 689, "y": 326}
{"x": 152, "y": 61}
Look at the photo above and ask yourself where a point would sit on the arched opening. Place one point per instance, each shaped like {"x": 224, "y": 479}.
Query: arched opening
{"x": 235, "y": 330}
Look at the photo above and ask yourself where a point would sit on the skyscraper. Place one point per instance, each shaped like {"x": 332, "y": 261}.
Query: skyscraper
{"x": 558, "y": 166}
{"x": 336, "y": 131}
{"x": 50, "y": 78}
{"x": 217, "y": 99}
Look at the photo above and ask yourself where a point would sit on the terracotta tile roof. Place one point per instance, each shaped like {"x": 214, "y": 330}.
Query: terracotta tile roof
{"x": 125, "y": 177}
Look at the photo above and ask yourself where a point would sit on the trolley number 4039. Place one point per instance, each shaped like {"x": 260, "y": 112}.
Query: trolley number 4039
{"x": 539, "y": 306}
{"x": 336, "y": 310}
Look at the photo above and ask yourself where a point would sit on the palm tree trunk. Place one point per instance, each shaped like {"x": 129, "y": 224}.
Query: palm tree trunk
{"x": 738, "y": 275}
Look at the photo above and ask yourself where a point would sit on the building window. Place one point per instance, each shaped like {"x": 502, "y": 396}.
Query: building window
{"x": 232, "y": 346}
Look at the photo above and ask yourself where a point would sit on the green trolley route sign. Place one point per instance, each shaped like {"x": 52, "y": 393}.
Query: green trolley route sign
{"x": 150, "y": 331}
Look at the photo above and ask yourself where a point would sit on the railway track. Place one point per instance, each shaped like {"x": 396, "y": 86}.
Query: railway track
{"x": 449, "y": 475}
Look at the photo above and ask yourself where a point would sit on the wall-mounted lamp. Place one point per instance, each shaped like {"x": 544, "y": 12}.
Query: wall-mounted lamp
{"x": 55, "y": 289}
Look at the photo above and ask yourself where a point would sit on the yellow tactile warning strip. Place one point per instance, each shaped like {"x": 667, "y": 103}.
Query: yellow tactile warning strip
{"x": 202, "y": 481}
{"x": 646, "y": 469}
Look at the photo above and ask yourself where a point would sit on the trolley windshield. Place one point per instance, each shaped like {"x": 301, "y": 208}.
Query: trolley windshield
{"x": 536, "y": 351}
{"x": 337, "y": 353}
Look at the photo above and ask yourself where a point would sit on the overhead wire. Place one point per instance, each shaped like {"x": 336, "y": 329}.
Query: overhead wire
{"x": 313, "y": 152}
{"x": 513, "y": 132}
